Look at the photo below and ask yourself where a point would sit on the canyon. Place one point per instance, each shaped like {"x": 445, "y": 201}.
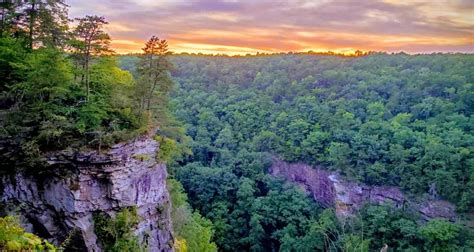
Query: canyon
{"x": 60, "y": 205}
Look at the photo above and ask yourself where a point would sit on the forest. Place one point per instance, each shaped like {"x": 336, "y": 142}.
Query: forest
{"x": 381, "y": 119}
{"x": 375, "y": 118}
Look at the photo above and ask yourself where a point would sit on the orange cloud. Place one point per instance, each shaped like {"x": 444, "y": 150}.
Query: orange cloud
{"x": 241, "y": 26}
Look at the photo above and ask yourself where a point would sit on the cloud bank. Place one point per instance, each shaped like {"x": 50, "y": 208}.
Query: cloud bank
{"x": 248, "y": 26}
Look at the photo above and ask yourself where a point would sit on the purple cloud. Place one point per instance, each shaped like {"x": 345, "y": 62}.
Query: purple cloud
{"x": 281, "y": 25}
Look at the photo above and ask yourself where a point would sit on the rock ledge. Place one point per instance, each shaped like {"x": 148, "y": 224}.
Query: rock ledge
{"x": 126, "y": 175}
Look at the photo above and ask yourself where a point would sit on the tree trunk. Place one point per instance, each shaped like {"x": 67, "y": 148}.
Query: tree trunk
{"x": 4, "y": 11}
{"x": 88, "y": 90}
{"x": 32, "y": 22}
{"x": 76, "y": 66}
{"x": 151, "y": 77}
{"x": 155, "y": 82}
{"x": 140, "y": 108}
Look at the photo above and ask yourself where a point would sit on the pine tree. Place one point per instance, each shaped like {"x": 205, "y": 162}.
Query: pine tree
{"x": 89, "y": 40}
{"x": 42, "y": 23}
{"x": 155, "y": 81}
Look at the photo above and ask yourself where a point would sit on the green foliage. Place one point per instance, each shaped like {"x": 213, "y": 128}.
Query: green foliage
{"x": 171, "y": 150}
{"x": 180, "y": 245}
{"x": 193, "y": 232}
{"x": 322, "y": 235}
{"x": 141, "y": 157}
{"x": 54, "y": 96}
{"x": 354, "y": 243}
{"x": 44, "y": 109}
{"x": 168, "y": 149}
{"x": 385, "y": 225}
{"x": 88, "y": 41}
{"x": 11, "y": 54}
{"x": 381, "y": 119}
{"x": 248, "y": 213}
{"x": 401, "y": 231}
{"x": 14, "y": 238}
{"x": 116, "y": 234}
{"x": 441, "y": 235}
{"x": 36, "y": 23}
{"x": 154, "y": 81}
{"x": 36, "y": 114}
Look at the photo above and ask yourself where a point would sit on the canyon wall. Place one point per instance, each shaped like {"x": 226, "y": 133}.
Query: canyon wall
{"x": 60, "y": 204}
{"x": 331, "y": 190}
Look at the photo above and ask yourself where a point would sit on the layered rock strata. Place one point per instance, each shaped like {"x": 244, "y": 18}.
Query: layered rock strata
{"x": 60, "y": 204}
{"x": 331, "y": 190}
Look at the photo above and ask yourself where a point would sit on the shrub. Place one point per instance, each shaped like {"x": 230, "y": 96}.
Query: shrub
{"x": 141, "y": 157}
{"x": 14, "y": 238}
{"x": 116, "y": 234}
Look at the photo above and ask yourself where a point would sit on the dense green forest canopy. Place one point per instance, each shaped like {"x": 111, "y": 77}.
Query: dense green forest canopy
{"x": 402, "y": 120}
{"x": 382, "y": 119}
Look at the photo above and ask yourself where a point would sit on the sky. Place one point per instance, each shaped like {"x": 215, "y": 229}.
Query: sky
{"x": 250, "y": 26}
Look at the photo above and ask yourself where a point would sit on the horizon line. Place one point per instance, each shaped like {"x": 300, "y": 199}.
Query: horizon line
{"x": 357, "y": 53}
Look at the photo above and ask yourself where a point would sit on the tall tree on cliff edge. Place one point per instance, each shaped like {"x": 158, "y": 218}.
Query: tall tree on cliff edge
{"x": 154, "y": 82}
{"x": 151, "y": 93}
{"x": 90, "y": 40}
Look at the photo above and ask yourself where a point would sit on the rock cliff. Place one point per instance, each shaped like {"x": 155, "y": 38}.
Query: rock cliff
{"x": 61, "y": 204}
{"x": 331, "y": 190}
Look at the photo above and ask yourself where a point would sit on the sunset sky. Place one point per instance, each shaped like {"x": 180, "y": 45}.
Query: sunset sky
{"x": 250, "y": 26}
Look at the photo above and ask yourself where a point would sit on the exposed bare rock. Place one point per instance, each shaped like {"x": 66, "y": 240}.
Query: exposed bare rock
{"x": 437, "y": 209}
{"x": 315, "y": 181}
{"x": 331, "y": 190}
{"x": 127, "y": 175}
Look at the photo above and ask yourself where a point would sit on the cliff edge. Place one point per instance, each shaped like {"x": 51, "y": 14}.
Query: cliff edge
{"x": 60, "y": 204}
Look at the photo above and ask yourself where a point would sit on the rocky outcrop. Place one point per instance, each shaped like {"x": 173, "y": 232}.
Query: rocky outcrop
{"x": 58, "y": 207}
{"x": 331, "y": 190}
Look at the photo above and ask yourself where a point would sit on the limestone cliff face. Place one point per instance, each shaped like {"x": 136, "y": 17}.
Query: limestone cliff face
{"x": 331, "y": 190}
{"x": 56, "y": 206}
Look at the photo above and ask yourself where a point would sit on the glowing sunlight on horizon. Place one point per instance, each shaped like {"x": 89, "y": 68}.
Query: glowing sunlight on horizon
{"x": 247, "y": 27}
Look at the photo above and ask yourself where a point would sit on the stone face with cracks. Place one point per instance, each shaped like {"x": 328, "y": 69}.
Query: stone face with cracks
{"x": 54, "y": 205}
{"x": 331, "y": 190}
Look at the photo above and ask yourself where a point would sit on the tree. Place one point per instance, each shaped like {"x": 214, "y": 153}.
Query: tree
{"x": 354, "y": 243}
{"x": 12, "y": 53}
{"x": 111, "y": 98}
{"x": 154, "y": 82}
{"x": 40, "y": 22}
{"x": 6, "y": 12}
{"x": 339, "y": 155}
{"x": 191, "y": 229}
{"x": 46, "y": 76}
{"x": 90, "y": 40}
{"x": 322, "y": 234}
{"x": 440, "y": 235}
{"x": 52, "y": 24}
{"x": 314, "y": 145}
